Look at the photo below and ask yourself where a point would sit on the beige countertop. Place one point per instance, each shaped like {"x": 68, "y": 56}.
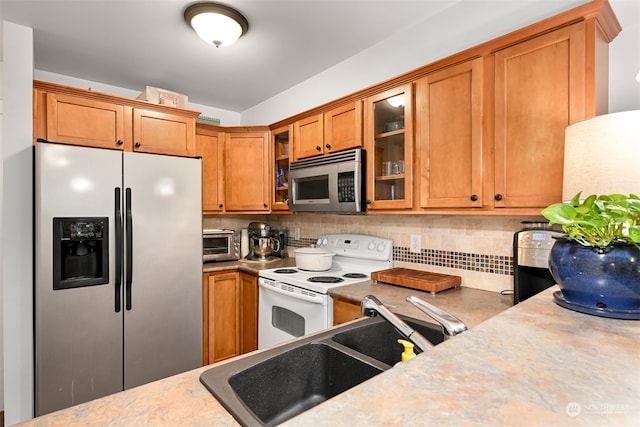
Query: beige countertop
{"x": 533, "y": 364}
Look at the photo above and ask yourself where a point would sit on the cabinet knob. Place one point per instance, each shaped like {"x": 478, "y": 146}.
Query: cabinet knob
{"x": 119, "y": 142}
{"x": 498, "y": 197}
{"x": 368, "y": 201}
{"x": 137, "y": 144}
{"x": 474, "y": 197}
{"x": 264, "y": 204}
{"x": 328, "y": 146}
{"x": 318, "y": 148}
{"x": 220, "y": 205}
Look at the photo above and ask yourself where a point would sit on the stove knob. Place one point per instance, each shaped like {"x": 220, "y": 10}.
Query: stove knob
{"x": 325, "y": 241}
{"x": 381, "y": 247}
{"x": 372, "y": 245}
{"x": 319, "y": 242}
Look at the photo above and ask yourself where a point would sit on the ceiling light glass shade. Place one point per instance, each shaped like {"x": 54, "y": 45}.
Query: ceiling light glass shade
{"x": 601, "y": 155}
{"x": 216, "y": 23}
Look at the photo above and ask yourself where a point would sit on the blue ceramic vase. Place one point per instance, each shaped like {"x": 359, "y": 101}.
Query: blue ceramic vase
{"x": 600, "y": 281}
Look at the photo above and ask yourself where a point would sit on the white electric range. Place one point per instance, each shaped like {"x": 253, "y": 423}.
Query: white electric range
{"x": 294, "y": 302}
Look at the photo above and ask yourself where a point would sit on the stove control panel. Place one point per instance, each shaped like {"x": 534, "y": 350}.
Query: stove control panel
{"x": 357, "y": 246}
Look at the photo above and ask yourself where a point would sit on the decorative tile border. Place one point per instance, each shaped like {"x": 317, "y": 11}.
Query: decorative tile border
{"x": 494, "y": 264}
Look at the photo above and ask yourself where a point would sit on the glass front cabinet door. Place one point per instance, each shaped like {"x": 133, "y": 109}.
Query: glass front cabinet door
{"x": 389, "y": 142}
{"x": 281, "y": 142}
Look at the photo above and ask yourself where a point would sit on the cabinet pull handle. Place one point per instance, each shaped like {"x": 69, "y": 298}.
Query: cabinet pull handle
{"x": 119, "y": 142}
{"x": 137, "y": 144}
{"x": 474, "y": 197}
{"x": 498, "y": 197}
{"x": 318, "y": 148}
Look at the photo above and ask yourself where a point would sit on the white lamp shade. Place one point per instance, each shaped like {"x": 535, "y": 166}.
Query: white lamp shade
{"x": 216, "y": 29}
{"x": 602, "y": 155}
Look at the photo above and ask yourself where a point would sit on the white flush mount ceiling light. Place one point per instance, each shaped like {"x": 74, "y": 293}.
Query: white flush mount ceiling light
{"x": 216, "y": 23}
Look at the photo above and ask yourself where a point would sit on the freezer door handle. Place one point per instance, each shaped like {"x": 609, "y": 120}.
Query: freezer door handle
{"x": 119, "y": 237}
{"x": 129, "y": 263}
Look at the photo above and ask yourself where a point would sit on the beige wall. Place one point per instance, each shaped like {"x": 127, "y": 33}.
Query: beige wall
{"x": 477, "y": 248}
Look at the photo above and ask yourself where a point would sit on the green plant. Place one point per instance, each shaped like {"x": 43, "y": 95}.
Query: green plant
{"x": 598, "y": 221}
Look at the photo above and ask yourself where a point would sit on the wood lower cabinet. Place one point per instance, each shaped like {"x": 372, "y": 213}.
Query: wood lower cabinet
{"x": 80, "y": 117}
{"x": 230, "y": 315}
{"x": 449, "y": 136}
{"x": 345, "y": 311}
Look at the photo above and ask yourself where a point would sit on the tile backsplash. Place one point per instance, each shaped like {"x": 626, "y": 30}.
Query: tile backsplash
{"x": 477, "y": 248}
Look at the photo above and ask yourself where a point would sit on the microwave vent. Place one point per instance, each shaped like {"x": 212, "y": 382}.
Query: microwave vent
{"x": 341, "y": 157}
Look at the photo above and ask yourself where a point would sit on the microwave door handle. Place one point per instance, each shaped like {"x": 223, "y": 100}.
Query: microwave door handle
{"x": 308, "y": 298}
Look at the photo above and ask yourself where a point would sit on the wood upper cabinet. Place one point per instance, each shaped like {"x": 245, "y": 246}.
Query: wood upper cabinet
{"x": 335, "y": 130}
{"x": 247, "y": 168}
{"x": 163, "y": 133}
{"x": 449, "y": 136}
{"x": 230, "y": 315}
{"x": 308, "y": 137}
{"x": 210, "y": 147}
{"x": 343, "y": 127}
{"x": 388, "y": 140}
{"x": 281, "y": 143}
{"x": 81, "y": 121}
{"x": 74, "y": 116}
{"x": 540, "y": 88}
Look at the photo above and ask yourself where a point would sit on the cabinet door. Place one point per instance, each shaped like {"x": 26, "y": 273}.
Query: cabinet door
{"x": 449, "y": 121}
{"x": 163, "y": 133}
{"x": 222, "y": 318}
{"x": 389, "y": 144}
{"x": 82, "y": 121}
{"x": 539, "y": 90}
{"x": 210, "y": 148}
{"x": 345, "y": 311}
{"x": 308, "y": 137}
{"x": 343, "y": 127}
{"x": 281, "y": 139}
{"x": 247, "y": 172}
{"x": 249, "y": 312}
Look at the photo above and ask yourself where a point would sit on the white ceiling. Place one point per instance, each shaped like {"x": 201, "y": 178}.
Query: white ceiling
{"x": 135, "y": 43}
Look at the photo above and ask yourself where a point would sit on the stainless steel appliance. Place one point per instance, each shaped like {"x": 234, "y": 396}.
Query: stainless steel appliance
{"x": 531, "y": 248}
{"x": 264, "y": 243}
{"x": 331, "y": 183}
{"x": 220, "y": 245}
{"x": 118, "y": 273}
{"x": 294, "y": 302}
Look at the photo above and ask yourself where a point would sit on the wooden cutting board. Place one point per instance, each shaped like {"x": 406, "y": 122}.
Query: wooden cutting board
{"x": 417, "y": 279}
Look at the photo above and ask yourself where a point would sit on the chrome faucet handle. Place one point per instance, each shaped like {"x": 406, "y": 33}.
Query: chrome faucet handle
{"x": 451, "y": 324}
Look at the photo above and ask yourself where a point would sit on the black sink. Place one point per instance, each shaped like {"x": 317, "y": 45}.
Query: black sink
{"x": 271, "y": 386}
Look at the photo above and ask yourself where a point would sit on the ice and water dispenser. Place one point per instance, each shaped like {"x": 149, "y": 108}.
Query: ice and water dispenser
{"x": 80, "y": 252}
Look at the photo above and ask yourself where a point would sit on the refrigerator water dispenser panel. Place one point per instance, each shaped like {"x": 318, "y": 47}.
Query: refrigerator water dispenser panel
{"x": 80, "y": 252}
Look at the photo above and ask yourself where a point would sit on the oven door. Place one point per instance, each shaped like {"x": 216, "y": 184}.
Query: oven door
{"x": 286, "y": 312}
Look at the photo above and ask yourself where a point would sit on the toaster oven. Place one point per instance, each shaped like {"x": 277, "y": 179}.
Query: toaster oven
{"x": 220, "y": 245}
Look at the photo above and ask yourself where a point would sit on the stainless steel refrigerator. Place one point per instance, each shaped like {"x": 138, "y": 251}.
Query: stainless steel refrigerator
{"x": 118, "y": 271}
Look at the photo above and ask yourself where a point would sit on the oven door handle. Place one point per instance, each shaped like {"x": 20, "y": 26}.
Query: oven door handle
{"x": 313, "y": 299}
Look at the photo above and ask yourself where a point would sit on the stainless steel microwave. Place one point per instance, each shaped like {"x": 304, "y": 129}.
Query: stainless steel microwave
{"x": 333, "y": 183}
{"x": 220, "y": 245}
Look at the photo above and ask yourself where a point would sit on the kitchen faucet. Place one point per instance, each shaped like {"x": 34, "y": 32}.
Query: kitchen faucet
{"x": 451, "y": 324}
{"x": 371, "y": 306}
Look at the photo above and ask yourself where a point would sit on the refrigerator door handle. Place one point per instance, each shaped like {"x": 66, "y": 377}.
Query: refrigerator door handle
{"x": 119, "y": 237}
{"x": 129, "y": 237}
